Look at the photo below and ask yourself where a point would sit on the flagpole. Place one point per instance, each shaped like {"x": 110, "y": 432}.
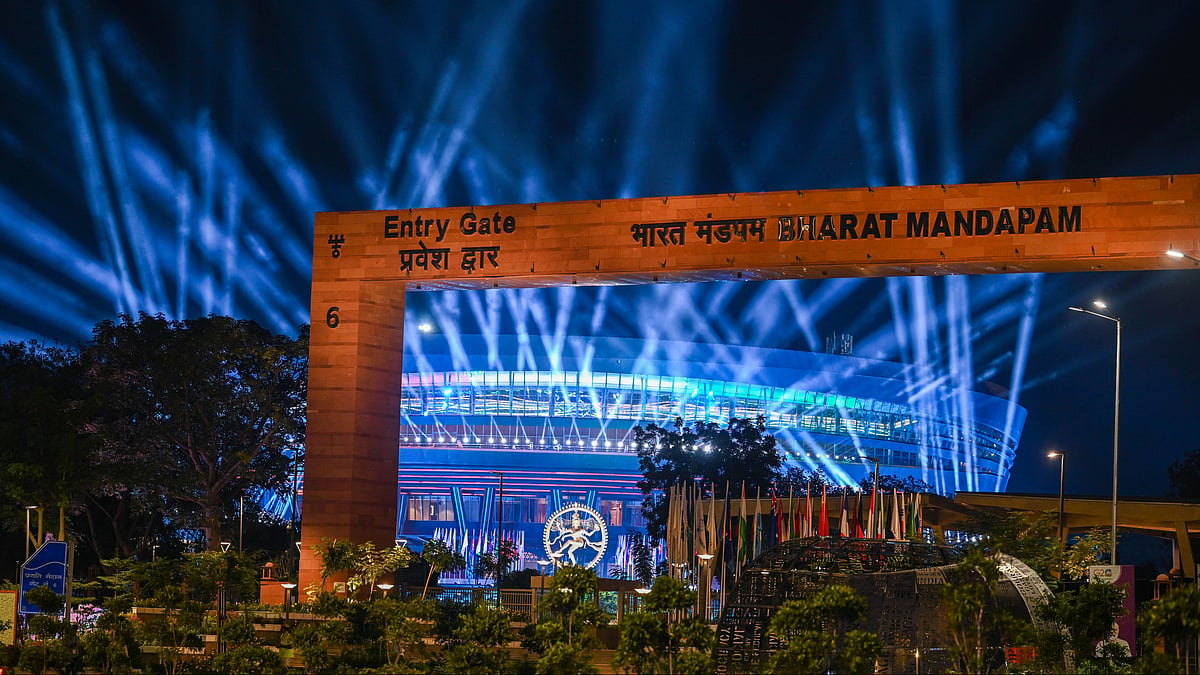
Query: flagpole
{"x": 874, "y": 515}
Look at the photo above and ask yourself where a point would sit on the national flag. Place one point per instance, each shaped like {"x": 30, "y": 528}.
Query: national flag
{"x": 858, "y": 515}
{"x": 872, "y": 517}
{"x": 809, "y": 526}
{"x": 728, "y": 536}
{"x": 747, "y": 524}
{"x": 798, "y": 519}
{"x": 918, "y": 523}
{"x": 780, "y": 520}
{"x": 823, "y": 524}
{"x": 771, "y": 530}
{"x": 758, "y": 520}
{"x": 895, "y": 527}
{"x": 844, "y": 522}
{"x": 712, "y": 529}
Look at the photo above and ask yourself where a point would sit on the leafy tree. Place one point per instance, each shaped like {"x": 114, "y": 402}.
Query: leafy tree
{"x": 402, "y": 627}
{"x": 207, "y": 406}
{"x": 1031, "y": 538}
{"x": 440, "y": 558}
{"x": 822, "y": 634}
{"x": 564, "y": 636}
{"x": 661, "y": 638}
{"x": 43, "y": 461}
{"x": 177, "y": 629}
{"x": 487, "y": 565}
{"x": 53, "y": 647}
{"x": 244, "y": 652}
{"x": 562, "y": 658}
{"x": 1086, "y": 615}
{"x": 477, "y": 645}
{"x": 743, "y": 452}
{"x": 1174, "y": 618}
{"x": 207, "y": 572}
{"x": 1183, "y": 476}
{"x": 362, "y": 563}
{"x": 316, "y": 642}
{"x": 973, "y": 617}
{"x": 643, "y": 571}
{"x": 111, "y": 645}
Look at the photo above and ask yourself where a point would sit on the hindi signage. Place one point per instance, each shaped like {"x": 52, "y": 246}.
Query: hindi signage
{"x": 46, "y": 567}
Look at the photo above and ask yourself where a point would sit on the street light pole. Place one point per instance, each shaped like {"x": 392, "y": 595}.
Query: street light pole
{"x": 706, "y": 596}
{"x": 1116, "y": 416}
{"x": 499, "y": 534}
{"x": 1062, "y": 468}
{"x": 28, "y": 533}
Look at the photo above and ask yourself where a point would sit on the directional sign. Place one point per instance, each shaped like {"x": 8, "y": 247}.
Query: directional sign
{"x": 46, "y": 567}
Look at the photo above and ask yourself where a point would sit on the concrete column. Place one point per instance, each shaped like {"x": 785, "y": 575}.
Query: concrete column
{"x": 354, "y": 384}
{"x": 1183, "y": 544}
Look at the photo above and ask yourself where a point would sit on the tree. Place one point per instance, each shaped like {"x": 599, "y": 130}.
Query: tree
{"x": 643, "y": 570}
{"x": 208, "y": 406}
{"x": 660, "y": 639}
{"x": 477, "y": 645}
{"x": 822, "y": 634}
{"x": 1183, "y": 476}
{"x": 362, "y": 563}
{"x": 1031, "y": 539}
{"x": 564, "y": 637}
{"x": 111, "y": 645}
{"x": 177, "y": 629}
{"x": 743, "y": 452}
{"x": 440, "y": 558}
{"x": 1086, "y": 615}
{"x": 43, "y": 460}
{"x": 244, "y": 652}
{"x": 973, "y": 616}
{"x": 1174, "y": 618}
{"x": 55, "y": 640}
{"x": 487, "y": 565}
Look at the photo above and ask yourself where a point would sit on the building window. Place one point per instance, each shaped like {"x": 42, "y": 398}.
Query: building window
{"x": 611, "y": 510}
{"x": 634, "y": 511}
{"x": 430, "y": 508}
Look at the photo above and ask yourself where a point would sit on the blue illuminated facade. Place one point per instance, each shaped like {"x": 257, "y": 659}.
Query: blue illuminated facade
{"x": 557, "y": 427}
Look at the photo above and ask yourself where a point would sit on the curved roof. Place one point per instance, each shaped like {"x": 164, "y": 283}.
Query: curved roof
{"x": 811, "y": 371}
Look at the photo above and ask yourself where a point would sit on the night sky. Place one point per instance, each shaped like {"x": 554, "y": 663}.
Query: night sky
{"x": 169, "y": 157}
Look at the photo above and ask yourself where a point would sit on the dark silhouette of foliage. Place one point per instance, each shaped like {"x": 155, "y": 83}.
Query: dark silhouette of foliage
{"x": 740, "y": 453}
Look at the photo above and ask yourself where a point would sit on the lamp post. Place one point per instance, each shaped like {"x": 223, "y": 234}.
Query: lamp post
{"x": 29, "y": 534}
{"x": 287, "y": 600}
{"x": 705, "y": 559}
{"x": 1116, "y": 414}
{"x": 499, "y": 534}
{"x": 1062, "y": 468}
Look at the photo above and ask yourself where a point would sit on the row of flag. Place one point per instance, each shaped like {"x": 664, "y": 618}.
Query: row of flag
{"x": 738, "y": 530}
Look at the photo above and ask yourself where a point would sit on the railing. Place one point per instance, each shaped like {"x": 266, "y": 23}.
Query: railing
{"x": 522, "y": 603}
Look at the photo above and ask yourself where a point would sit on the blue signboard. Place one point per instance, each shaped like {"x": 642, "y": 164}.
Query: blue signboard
{"x": 46, "y": 567}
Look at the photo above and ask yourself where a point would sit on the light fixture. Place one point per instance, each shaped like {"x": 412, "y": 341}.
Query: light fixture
{"x": 225, "y": 546}
{"x": 1176, "y": 253}
{"x": 641, "y": 591}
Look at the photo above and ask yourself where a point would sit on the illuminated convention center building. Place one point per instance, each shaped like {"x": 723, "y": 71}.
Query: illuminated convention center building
{"x": 485, "y": 416}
